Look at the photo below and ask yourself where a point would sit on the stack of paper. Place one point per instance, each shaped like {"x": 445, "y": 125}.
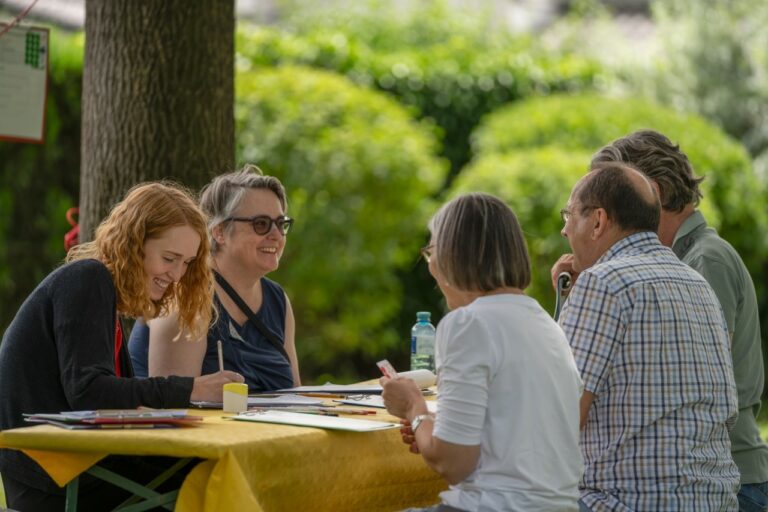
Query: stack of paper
{"x": 313, "y": 420}
{"x": 116, "y": 418}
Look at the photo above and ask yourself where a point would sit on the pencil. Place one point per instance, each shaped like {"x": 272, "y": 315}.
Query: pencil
{"x": 221, "y": 356}
{"x": 322, "y": 395}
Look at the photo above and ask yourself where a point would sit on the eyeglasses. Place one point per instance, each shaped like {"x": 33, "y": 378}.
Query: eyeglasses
{"x": 426, "y": 252}
{"x": 262, "y": 224}
{"x": 565, "y": 213}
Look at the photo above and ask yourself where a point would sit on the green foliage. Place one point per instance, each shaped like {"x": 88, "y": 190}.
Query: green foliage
{"x": 533, "y": 153}
{"x": 358, "y": 171}
{"x": 389, "y": 26}
{"x": 453, "y": 80}
{"x": 38, "y": 183}
{"x": 714, "y": 61}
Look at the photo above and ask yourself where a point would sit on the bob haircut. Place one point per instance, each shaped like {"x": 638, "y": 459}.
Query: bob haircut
{"x": 223, "y": 195}
{"x": 148, "y": 210}
{"x": 479, "y": 244}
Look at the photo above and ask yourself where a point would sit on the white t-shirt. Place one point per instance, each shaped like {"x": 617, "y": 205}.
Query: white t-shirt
{"x": 507, "y": 381}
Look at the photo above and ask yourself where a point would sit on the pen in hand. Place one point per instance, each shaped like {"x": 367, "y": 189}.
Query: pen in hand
{"x": 221, "y": 356}
{"x": 387, "y": 369}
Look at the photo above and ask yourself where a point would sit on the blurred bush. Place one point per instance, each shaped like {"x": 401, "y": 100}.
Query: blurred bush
{"x": 451, "y": 68}
{"x": 358, "y": 171}
{"x": 533, "y": 152}
{"x": 713, "y": 60}
{"x": 39, "y": 182}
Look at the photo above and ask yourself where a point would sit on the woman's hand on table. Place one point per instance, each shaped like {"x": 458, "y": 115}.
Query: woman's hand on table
{"x": 209, "y": 388}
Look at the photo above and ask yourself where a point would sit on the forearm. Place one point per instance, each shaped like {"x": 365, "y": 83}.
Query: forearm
{"x": 451, "y": 461}
{"x": 171, "y": 353}
{"x": 96, "y": 390}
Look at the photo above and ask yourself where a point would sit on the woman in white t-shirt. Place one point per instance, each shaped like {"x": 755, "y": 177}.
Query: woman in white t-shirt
{"x": 506, "y": 432}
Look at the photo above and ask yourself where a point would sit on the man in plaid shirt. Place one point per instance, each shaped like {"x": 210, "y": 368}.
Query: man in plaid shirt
{"x": 683, "y": 228}
{"x": 652, "y": 345}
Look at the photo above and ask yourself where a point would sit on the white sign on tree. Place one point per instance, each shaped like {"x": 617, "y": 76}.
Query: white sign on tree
{"x": 23, "y": 83}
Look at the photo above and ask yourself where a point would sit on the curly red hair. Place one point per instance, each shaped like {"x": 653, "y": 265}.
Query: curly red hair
{"x": 146, "y": 212}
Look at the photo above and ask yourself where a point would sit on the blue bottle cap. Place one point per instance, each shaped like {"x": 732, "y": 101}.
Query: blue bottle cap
{"x": 423, "y": 316}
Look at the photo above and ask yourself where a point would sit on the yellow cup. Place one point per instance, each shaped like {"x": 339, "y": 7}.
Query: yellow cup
{"x": 235, "y": 397}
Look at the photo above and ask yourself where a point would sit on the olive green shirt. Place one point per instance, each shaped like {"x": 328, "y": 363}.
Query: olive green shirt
{"x": 718, "y": 262}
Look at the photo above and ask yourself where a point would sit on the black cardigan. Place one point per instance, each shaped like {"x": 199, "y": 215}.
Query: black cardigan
{"x": 58, "y": 355}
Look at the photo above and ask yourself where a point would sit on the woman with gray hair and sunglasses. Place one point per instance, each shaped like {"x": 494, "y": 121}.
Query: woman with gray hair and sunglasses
{"x": 255, "y": 327}
{"x": 506, "y": 431}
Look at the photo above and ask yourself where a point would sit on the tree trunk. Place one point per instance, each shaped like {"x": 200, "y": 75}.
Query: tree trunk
{"x": 158, "y": 94}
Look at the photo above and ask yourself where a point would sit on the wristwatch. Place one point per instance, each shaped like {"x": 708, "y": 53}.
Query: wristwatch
{"x": 415, "y": 422}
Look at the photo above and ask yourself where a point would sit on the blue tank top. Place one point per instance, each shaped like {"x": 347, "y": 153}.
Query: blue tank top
{"x": 138, "y": 347}
{"x": 245, "y": 349}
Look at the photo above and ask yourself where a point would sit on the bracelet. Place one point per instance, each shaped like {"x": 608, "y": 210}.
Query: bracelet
{"x": 416, "y": 422}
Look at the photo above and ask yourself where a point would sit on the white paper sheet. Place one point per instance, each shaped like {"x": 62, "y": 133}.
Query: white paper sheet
{"x": 315, "y": 420}
{"x": 378, "y": 402}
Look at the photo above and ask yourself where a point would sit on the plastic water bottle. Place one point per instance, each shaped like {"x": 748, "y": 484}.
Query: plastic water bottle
{"x": 423, "y": 343}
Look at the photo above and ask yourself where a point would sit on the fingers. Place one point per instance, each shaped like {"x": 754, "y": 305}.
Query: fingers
{"x": 563, "y": 264}
{"x": 209, "y": 387}
{"x": 225, "y": 376}
{"x": 232, "y": 376}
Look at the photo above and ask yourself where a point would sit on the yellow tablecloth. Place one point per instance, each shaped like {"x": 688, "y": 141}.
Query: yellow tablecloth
{"x": 253, "y": 466}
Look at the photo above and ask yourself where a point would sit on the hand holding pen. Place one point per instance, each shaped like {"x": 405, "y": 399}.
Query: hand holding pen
{"x": 208, "y": 388}
{"x": 400, "y": 395}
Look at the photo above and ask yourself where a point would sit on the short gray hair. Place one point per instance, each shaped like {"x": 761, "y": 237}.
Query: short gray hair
{"x": 480, "y": 245}
{"x": 223, "y": 195}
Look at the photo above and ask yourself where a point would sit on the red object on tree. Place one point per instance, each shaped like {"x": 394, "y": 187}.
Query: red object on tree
{"x": 72, "y": 237}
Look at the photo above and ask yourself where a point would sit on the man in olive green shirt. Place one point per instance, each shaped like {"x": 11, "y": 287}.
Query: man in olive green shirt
{"x": 683, "y": 228}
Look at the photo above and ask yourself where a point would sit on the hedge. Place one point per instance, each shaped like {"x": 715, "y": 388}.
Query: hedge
{"x": 453, "y": 82}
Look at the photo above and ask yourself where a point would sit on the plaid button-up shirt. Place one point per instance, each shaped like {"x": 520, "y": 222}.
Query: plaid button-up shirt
{"x": 651, "y": 343}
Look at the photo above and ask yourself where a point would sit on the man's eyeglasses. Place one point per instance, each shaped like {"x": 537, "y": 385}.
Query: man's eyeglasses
{"x": 426, "y": 252}
{"x": 565, "y": 213}
{"x": 262, "y": 224}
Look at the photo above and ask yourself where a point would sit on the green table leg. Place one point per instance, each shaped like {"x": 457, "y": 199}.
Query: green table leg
{"x": 71, "y": 505}
{"x": 151, "y": 498}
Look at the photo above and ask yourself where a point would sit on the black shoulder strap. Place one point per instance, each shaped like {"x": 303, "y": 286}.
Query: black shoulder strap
{"x": 263, "y": 329}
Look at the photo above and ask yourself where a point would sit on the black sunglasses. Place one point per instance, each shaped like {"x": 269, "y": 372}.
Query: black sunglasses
{"x": 262, "y": 224}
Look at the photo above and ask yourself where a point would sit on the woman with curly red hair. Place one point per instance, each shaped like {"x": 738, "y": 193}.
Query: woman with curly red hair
{"x": 64, "y": 350}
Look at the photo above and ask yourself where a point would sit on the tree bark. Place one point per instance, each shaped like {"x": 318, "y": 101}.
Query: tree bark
{"x": 158, "y": 95}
